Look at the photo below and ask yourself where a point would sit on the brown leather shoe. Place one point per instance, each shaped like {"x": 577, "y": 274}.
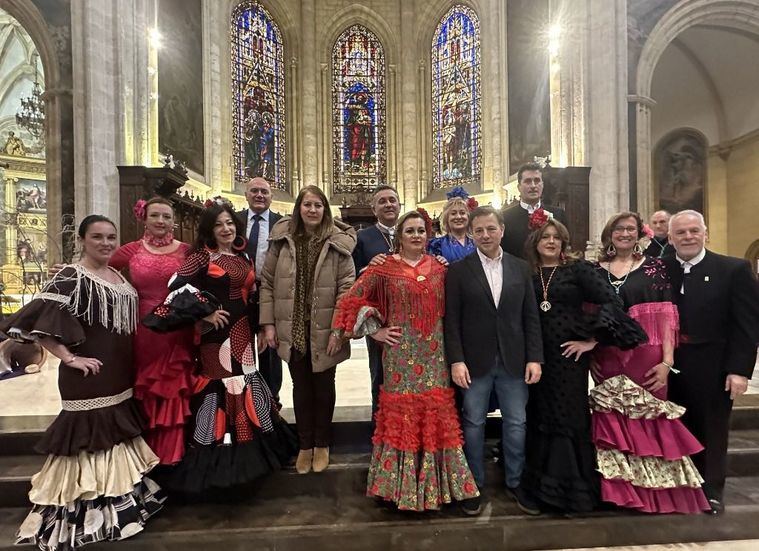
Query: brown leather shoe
{"x": 321, "y": 459}
{"x": 303, "y": 463}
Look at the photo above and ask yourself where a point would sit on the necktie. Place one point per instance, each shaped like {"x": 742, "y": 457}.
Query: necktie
{"x": 686, "y": 276}
{"x": 252, "y": 248}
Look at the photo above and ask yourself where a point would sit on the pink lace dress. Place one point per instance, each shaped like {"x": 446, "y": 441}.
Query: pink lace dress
{"x": 642, "y": 447}
{"x": 165, "y": 366}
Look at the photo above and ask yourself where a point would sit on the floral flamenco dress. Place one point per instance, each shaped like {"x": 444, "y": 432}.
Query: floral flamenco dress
{"x": 417, "y": 460}
{"x": 92, "y": 486}
{"x": 642, "y": 447}
{"x": 164, "y": 364}
{"x": 235, "y": 434}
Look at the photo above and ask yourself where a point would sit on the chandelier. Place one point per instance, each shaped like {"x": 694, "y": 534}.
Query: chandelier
{"x": 31, "y": 115}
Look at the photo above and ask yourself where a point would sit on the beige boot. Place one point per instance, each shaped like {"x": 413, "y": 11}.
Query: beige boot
{"x": 321, "y": 459}
{"x": 303, "y": 463}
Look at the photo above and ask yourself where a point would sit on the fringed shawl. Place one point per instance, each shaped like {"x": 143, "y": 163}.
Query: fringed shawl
{"x": 93, "y": 299}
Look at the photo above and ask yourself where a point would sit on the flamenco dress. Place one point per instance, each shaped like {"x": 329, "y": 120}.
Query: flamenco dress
{"x": 643, "y": 449}
{"x": 417, "y": 459}
{"x": 235, "y": 434}
{"x": 165, "y": 364}
{"x": 92, "y": 486}
{"x": 560, "y": 466}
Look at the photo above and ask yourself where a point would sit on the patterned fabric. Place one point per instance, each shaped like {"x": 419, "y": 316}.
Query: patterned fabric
{"x": 621, "y": 394}
{"x": 417, "y": 460}
{"x": 61, "y": 528}
{"x": 306, "y": 254}
{"x": 648, "y": 472}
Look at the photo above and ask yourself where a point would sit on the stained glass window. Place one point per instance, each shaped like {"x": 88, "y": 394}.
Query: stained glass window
{"x": 358, "y": 111}
{"x": 456, "y": 128}
{"x": 258, "y": 85}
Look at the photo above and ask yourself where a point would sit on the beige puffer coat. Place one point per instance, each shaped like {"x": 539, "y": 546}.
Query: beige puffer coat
{"x": 333, "y": 276}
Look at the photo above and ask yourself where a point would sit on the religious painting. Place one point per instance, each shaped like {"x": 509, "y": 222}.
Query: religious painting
{"x": 456, "y": 111}
{"x": 528, "y": 80}
{"x": 31, "y": 196}
{"x": 258, "y": 85}
{"x": 680, "y": 170}
{"x": 180, "y": 82}
{"x": 358, "y": 111}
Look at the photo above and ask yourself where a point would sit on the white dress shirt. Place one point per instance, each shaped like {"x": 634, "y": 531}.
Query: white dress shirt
{"x": 530, "y": 208}
{"x": 263, "y": 238}
{"x": 688, "y": 264}
{"x": 493, "y": 273}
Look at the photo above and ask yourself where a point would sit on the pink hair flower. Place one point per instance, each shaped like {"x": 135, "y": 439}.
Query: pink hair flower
{"x": 139, "y": 209}
{"x": 647, "y": 231}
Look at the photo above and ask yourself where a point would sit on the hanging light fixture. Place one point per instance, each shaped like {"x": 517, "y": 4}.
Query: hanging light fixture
{"x": 31, "y": 114}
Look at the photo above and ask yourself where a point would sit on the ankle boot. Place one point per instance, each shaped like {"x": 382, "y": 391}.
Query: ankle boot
{"x": 321, "y": 459}
{"x": 303, "y": 463}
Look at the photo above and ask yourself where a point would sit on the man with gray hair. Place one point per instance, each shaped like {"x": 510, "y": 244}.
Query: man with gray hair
{"x": 718, "y": 300}
{"x": 660, "y": 245}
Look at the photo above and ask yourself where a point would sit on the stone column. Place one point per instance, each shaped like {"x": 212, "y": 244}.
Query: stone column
{"x": 606, "y": 112}
{"x": 409, "y": 180}
{"x": 644, "y": 168}
{"x": 310, "y": 94}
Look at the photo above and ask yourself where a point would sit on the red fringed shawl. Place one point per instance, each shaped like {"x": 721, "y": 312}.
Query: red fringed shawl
{"x": 404, "y": 295}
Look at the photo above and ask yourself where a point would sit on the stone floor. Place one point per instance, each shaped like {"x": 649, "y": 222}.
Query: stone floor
{"x": 738, "y": 545}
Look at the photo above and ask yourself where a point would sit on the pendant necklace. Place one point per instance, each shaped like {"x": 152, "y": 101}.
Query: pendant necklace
{"x": 546, "y": 305}
{"x": 387, "y": 238}
{"x": 617, "y": 285}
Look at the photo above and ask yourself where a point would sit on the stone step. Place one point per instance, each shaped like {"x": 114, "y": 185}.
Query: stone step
{"x": 350, "y": 521}
{"x": 346, "y": 474}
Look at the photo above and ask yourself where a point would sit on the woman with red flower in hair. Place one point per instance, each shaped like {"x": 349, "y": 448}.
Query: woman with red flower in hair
{"x": 417, "y": 460}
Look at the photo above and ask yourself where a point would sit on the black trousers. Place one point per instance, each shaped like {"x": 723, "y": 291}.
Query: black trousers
{"x": 700, "y": 388}
{"x": 374, "y": 350}
{"x": 314, "y": 401}
{"x": 270, "y": 366}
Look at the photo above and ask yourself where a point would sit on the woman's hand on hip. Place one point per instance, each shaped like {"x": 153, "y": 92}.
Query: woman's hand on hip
{"x": 388, "y": 335}
{"x": 657, "y": 377}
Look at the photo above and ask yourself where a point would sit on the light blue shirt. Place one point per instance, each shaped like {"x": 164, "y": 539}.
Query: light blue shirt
{"x": 263, "y": 238}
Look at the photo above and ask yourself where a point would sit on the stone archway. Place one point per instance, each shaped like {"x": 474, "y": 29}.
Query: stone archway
{"x": 56, "y": 97}
{"x": 735, "y": 14}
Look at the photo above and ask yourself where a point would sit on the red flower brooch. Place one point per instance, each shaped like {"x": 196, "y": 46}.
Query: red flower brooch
{"x": 537, "y": 219}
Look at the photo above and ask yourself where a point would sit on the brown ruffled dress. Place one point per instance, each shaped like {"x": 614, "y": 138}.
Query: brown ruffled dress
{"x": 93, "y": 485}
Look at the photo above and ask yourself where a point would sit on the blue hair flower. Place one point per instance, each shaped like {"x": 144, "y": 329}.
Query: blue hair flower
{"x": 459, "y": 192}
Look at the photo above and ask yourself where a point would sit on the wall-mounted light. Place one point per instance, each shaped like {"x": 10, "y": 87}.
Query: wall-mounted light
{"x": 554, "y": 39}
{"x": 155, "y": 38}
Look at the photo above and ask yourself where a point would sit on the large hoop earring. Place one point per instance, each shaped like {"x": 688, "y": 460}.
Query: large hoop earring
{"x": 239, "y": 243}
{"x": 611, "y": 251}
{"x": 637, "y": 251}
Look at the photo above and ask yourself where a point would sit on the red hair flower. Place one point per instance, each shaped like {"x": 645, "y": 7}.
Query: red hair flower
{"x": 427, "y": 222}
{"x": 472, "y": 204}
{"x": 537, "y": 219}
{"x": 139, "y": 210}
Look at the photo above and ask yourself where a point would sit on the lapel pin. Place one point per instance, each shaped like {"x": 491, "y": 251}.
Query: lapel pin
{"x": 706, "y": 278}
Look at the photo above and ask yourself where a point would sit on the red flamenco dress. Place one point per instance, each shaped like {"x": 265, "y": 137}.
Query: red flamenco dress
{"x": 417, "y": 460}
{"x": 164, "y": 364}
{"x": 642, "y": 447}
{"x": 235, "y": 434}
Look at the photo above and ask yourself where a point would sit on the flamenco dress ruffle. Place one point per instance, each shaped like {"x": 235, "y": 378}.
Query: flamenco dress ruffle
{"x": 642, "y": 446}
{"x": 236, "y": 436}
{"x": 417, "y": 458}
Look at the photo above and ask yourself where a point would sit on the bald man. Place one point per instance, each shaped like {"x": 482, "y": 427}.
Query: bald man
{"x": 259, "y": 220}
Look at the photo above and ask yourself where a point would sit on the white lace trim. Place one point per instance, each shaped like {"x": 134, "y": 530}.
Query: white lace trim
{"x": 96, "y": 403}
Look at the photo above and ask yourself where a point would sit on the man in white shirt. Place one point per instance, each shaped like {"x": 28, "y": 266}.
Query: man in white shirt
{"x": 493, "y": 342}
{"x": 718, "y": 300}
{"x": 259, "y": 220}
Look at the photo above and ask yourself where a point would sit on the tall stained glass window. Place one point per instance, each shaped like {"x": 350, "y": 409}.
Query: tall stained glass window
{"x": 456, "y": 112}
{"x": 258, "y": 85}
{"x": 358, "y": 111}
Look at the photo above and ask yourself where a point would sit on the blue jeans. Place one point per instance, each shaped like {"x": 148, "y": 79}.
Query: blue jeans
{"x": 512, "y": 397}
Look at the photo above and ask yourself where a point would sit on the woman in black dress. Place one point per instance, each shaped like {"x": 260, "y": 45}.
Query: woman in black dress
{"x": 93, "y": 485}
{"x": 560, "y": 468}
{"x": 236, "y": 434}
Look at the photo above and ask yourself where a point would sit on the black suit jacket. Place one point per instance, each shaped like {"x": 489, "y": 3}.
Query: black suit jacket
{"x": 515, "y": 220}
{"x": 656, "y": 251}
{"x": 720, "y": 307}
{"x": 369, "y": 243}
{"x": 273, "y": 219}
{"x": 476, "y": 330}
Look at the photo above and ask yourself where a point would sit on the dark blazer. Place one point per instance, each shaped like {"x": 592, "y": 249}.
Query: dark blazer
{"x": 476, "y": 331}
{"x": 273, "y": 219}
{"x": 369, "y": 243}
{"x": 515, "y": 234}
{"x": 720, "y": 307}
